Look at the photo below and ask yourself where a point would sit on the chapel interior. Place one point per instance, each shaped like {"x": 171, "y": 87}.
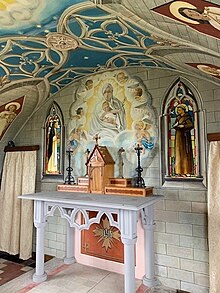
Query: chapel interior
{"x": 114, "y": 97}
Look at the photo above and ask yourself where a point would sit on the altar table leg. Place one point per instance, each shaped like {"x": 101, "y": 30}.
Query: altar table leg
{"x": 70, "y": 249}
{"x": 129, "y": 270}
{"x": 39, "y": 222}
{"x": 149, "y": 279}
{"x": 128, "y": 228}
{"x": 40, "y": 275}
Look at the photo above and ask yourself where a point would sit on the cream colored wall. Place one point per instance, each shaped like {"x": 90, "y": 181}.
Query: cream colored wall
{"x": 181, "y": 218}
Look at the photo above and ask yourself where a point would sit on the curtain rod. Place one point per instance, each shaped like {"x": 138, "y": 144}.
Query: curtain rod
{"x": 213, "y": 136}
{"x": 22, "y": 148}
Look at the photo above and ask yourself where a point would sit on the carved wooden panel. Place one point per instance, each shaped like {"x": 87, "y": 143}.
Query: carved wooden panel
{"x": 102, "y": 241}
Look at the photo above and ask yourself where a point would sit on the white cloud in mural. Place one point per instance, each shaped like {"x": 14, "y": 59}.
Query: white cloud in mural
{"x": 18, "y": 13}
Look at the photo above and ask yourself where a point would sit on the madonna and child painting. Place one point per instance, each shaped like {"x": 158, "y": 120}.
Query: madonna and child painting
{"x": 117, "y": 107}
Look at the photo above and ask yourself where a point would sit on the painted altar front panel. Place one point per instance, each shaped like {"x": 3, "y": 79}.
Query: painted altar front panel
{"x": 102, "y": 241}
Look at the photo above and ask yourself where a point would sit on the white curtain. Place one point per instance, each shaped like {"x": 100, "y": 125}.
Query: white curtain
{"x": 214, "y": 216}
{"x": 16, "y": 215}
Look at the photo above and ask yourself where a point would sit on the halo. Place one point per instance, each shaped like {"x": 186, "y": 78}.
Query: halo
{"x": 204, "y": 68}
{"x": 183, "y": 106}
{"x": 13, "y": 103}
{"x": 174, "y": 9}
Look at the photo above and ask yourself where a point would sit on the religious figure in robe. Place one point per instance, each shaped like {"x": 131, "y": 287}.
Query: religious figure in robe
{"x": 197, "y": 18}
{"x": 210, "y": 15}
{"x": 53, "y": 140}
{"x": 109, "y": 116}
{"x": 7, "y": 116}
{"x": 200, "y": 15}
{"x": 183, "y": 143}
{"x": 212, "y": 70}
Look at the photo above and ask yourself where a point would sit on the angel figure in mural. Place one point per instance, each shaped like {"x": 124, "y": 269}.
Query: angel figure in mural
{"x": 76, "y": 135}
{"x": 89, "y": 84}
{"x": 142, "y": 135}
{"x": 191, "y": 14}
{"x": 183, "y": 142}
{"x": 53, "y": 142}
{"x": 121, "y": 77}
{"x": 75, "y": 127}
{"x": 138, "y": 92}
{"x": 8, "y": 115}
{"x": 109, "y": 116}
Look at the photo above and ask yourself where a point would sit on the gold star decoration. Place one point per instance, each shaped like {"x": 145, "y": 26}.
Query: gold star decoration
{"x": 107, "y": 234}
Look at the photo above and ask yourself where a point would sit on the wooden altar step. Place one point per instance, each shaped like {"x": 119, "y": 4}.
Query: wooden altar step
{"x": 121, "y": 182}
{"x": 117, "y": 190}
{"x": 131, "y": 191}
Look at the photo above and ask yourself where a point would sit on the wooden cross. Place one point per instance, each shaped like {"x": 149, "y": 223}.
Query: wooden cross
{"x": 96, "y": 137}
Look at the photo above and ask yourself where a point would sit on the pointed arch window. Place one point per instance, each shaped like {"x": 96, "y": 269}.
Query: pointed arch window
{"x": 181, "y": 134}
{"x": 53, "y": 142}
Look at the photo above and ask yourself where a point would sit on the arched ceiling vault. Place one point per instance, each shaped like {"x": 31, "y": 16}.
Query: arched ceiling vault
{"x": 59, "y": 42}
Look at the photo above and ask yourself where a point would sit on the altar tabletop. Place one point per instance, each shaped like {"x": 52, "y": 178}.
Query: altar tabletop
{"x": 121, "y": 202}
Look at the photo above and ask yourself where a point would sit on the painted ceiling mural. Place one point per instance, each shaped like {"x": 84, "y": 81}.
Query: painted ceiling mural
{"x": 61, "y": 48}
{"x": 78, "y": 38}
{"x": 116, "y": 107}
{"x": 58, "y": 42}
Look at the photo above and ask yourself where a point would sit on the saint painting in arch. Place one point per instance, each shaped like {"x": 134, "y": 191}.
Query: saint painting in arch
{"x": 200, "y": 15}
{"x": 184, "y": 123}
{"x": 180, "y": 113}
{"x": 53, "y": 141}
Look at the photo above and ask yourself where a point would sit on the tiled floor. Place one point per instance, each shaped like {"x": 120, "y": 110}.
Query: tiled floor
{"x": 12, "y": 267}
{"x": 17, "y": 278}
{"x": 10, "y": 270}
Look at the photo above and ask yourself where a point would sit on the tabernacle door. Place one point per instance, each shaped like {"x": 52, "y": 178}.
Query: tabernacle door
{"x": 96, "y": 179}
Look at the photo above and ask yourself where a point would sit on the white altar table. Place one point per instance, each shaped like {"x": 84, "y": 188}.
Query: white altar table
{"x": 127, "y": 209}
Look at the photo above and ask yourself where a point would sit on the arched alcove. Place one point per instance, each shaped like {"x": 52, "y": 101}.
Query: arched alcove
{"x": 53, "y": 143}
{"x": 182, "y": 127}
